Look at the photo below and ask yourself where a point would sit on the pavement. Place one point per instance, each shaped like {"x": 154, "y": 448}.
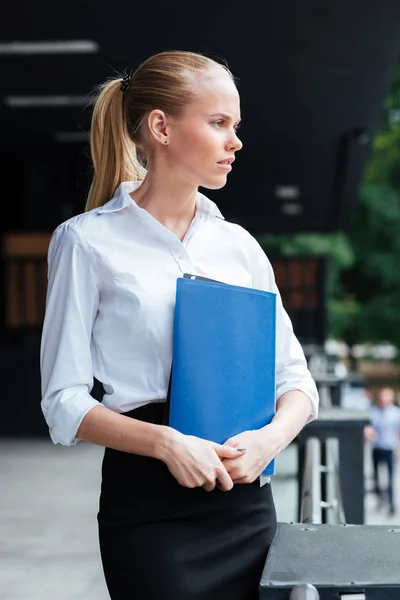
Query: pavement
{"x": 48, "y": 506}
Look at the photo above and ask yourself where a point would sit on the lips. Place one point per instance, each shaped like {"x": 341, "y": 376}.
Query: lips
{"x": 227, "y": 161}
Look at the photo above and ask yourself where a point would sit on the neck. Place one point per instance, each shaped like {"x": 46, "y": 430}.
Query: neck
{"x": 167, "y": 200}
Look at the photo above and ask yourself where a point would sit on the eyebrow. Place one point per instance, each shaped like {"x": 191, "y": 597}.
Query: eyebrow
{"x": 225, "y": 116}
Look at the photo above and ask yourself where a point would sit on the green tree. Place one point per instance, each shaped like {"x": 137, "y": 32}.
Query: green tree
{"x": 369, "y": 290}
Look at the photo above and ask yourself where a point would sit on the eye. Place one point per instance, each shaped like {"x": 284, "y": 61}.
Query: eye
{"x": 222, "y": 122}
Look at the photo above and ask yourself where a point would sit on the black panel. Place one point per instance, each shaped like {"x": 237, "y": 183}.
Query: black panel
{"x": 336, "y": 559}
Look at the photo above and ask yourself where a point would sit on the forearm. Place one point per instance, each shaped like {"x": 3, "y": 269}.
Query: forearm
{"x": 105, "y": 427}
{"x": 292, "y": 413}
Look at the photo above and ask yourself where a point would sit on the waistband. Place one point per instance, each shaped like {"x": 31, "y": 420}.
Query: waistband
{"x": 152, "y": 412}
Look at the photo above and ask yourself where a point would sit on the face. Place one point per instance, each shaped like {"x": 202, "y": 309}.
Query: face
{"x": 385, "y": 397}
{"x": 203, "y": 142}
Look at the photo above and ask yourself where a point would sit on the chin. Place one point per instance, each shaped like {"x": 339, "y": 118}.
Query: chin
{"x": 215, "y": 184}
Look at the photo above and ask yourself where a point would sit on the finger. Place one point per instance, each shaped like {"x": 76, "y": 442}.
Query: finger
{"x": 230, "y": 464}
{"x": 225, "y": 482}
{"x": 240, "y": 481}
{"x": 228, "y": 451}
{"x": 209, "y": 486}
{"x": 232, "y": 442}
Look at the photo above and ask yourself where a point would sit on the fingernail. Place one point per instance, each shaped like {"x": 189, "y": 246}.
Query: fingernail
{"x": 241, "y": 449}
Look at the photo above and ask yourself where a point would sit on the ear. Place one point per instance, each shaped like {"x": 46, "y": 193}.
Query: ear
{"x": 157, "y": 124}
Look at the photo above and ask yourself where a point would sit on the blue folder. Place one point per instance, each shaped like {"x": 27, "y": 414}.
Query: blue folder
{"x": 223, "y": 364}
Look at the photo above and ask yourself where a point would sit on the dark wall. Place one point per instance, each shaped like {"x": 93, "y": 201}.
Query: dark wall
{"x": 313, "y": 76}
{"x": 46, "y": 183}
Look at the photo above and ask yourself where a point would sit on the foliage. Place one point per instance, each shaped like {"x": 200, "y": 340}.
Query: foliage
{"x": 373, "y": 282}
{"x": 370, "y": 289}
{"x": 384, "y": 163}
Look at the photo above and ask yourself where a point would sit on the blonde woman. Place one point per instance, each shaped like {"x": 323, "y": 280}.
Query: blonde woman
{"x": 180, "y": 517}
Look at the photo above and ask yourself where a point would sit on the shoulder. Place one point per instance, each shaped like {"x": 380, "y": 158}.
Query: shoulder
{"x": 243, "y": 237}
{"x": 76, "y": 230}
{"x": 234, "y": 237}
{"x": 78, "y": 226}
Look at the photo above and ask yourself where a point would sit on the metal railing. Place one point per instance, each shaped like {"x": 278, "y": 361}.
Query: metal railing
{"x": 334, "y": 509}
{"x": 311, "y": 507}
{"x": 321, "y": 479}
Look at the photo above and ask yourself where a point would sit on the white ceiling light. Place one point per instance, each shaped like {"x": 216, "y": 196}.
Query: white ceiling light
{"x": 50, "y": 47}
{"x": 46, "y": 101}
{"x": 292, "y": 209}
{"x": 287, "y": 192}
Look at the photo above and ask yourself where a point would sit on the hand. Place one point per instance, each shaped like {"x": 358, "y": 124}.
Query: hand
{"x": 195, "y": 462}
{"x": 261, "y": 445}
{"x": 369, "y": 433}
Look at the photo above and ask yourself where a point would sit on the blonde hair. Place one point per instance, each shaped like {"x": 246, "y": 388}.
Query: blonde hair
{"x": 163, "y": 81}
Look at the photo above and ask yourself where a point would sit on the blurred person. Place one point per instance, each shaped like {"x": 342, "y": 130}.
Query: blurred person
{"x": 179, "y": 517}
{"x": 384, "y": 435}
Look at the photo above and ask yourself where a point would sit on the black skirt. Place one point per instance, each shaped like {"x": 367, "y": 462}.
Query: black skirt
{"x": 160, "y": 540}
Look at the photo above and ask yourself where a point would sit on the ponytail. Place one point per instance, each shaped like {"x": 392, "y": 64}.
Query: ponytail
{"x": 112, "y": 150}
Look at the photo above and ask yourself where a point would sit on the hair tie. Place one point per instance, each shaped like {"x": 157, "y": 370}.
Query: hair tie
{"x": 125, "y": 83}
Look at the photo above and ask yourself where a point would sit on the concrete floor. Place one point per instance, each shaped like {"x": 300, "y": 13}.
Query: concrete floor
{"x": 48, "y": 527}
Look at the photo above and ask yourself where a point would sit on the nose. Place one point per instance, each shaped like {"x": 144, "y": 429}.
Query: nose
{"x": 235, "y": 143}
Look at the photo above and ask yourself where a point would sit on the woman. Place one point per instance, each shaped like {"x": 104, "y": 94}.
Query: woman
{"x": 179, "y": 517}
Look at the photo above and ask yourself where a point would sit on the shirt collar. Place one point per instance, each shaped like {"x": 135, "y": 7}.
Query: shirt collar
{"x": 122, "y": 199}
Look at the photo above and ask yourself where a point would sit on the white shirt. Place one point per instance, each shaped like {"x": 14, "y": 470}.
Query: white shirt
{"x": 112, "y": 276}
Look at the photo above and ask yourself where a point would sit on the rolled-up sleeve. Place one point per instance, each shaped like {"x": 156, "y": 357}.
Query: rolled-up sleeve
{"x": 65, "y": 357}
{"x": 292, "y": 371}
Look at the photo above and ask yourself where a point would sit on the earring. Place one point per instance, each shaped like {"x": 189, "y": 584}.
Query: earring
{"x": 166, "y": 142}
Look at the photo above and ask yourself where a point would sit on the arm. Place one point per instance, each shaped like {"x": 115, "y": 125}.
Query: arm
{"x": 192, "y": 461}
{"x": 369, "y": 431}
{"x": 292, "y": 413}
{"x": 71, "y": 413}
{"x": 105, "y": 427}
{"x": 66, "y": 364}
{"x": 296, "y": 391}
{"x": 292, "y": 375}
{"x": 65, "y": 357}
{"x": 297, "y": 398}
